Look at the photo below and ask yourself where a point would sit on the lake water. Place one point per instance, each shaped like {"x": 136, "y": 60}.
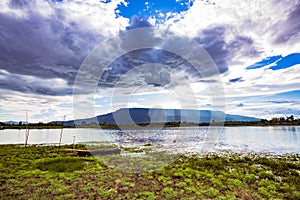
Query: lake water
{"x": 274, "y": 140}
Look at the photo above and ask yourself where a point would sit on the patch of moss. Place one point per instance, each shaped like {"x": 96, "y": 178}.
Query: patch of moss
{"x": 67, "y": 164}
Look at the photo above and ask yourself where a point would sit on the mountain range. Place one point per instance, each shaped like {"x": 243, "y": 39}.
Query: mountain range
{"x": 156, "y": 115}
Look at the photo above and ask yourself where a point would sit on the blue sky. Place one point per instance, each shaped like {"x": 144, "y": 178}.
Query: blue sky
{"x": 160, "y": 10}
{"x": 253, "y": 45}
{"x": 278, "y": 62}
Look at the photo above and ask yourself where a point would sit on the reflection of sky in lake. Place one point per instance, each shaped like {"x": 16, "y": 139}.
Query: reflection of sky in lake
{"x": 279, "y": 140}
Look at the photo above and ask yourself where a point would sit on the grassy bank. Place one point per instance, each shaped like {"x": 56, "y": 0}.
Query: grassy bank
{"x": 46, "y": 173}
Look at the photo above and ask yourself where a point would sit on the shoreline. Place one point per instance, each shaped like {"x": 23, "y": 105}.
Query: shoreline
{"x": 216, "y": 152}
{"x": 145, "y": 128}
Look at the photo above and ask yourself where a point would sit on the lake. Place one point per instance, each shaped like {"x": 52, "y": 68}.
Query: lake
{"x": 273, "y": 140}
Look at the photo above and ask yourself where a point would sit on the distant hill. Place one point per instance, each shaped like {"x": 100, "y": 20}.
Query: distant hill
{"x": 14, "y": 122}
{"x": 146, "y": 115}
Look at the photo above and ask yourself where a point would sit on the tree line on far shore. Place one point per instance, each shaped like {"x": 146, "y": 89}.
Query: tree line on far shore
{"x": 276, "y": 121}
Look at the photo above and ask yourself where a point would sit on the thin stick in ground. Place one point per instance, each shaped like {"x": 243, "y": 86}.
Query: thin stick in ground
{"x": 61, "y": 131}
{"x": 26, "y": 130}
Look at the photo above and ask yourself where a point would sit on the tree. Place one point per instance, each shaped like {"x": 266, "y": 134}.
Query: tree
{"x": 275, "y": 119}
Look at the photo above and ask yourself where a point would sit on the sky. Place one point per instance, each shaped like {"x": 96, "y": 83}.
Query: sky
{"x": 84, "y": 58}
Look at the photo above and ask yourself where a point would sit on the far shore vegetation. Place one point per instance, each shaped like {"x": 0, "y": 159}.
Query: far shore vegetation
{"x": 277, "y": 121}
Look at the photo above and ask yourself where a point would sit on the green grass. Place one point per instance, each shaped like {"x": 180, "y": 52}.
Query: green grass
{"x": 65, "y": 164}
{"x": 47, "y": 173}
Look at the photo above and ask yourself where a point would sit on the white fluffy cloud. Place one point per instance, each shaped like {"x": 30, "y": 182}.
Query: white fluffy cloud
{"x": 43, "y": 43}
{"x": 263, "y": 22}
{"x": 249, "y": 31}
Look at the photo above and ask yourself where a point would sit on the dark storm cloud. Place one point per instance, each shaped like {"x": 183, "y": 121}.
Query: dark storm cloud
{"x": 28, "y": 45}
{"x": 36, "y": 41}
{"x": 244, "y": 46}
{"x": 156, "y": 75}
{"x": 19, "y": 3}
{"x": 138, "y": 22}
{"x": 33, "y": 85}
{"x": 51, "y": 48}
{"x": 290, "y": 28}
{"x": 41, "y": 47}
{"x": 212, "y": 40}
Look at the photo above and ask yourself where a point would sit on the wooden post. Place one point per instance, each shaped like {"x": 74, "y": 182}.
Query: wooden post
{"x": 74, "y": 143}
{"x": 26, "y": 130}
{"x": 61, "y": 131}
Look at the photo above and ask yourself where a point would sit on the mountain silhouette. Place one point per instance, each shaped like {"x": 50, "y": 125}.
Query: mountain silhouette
{"x": 155, "y": 115}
